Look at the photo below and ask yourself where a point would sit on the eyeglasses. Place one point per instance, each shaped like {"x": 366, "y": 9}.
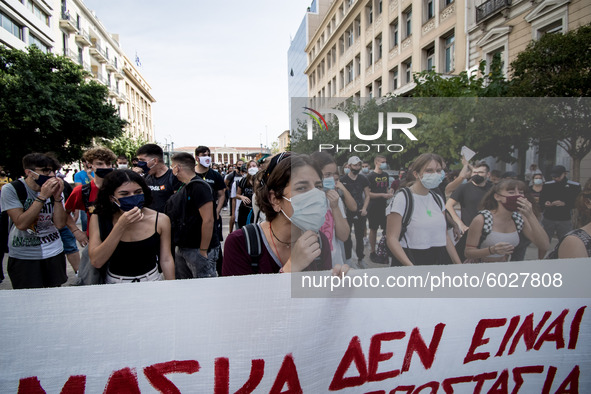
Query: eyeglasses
{"x": 44, "y": 171}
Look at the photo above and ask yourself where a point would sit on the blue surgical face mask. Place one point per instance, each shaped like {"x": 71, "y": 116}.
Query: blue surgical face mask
{"x": 365, "y": 170}
{"x": 309, "y": 210}
{"x": 442, "y": 175}
{"x": 42, "y": 178}
{"x": 347, "y": 170}
{"x": 431, "y": 181}
{"x": 130, "y": 202}
{"x": 328, "y": 183}
{"x": 538, "y": 181}
{"x": 383, "y": 166}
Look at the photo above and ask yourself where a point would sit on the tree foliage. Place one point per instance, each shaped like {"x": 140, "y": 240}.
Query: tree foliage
{"x": 123, "y": 145}
{"x": 47, "y": 105}
{"x": 559, "y": 65}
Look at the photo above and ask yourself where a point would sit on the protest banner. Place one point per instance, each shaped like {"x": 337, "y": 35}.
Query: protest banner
{"x": 247, "y": 334}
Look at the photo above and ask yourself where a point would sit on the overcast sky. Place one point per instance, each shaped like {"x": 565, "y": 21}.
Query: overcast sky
{"x": 218, "y": 69}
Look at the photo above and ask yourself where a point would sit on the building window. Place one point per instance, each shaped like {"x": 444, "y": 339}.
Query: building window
{"x": 429, "y": 9}
{"x": 369, "y": 53}
{"x": 497, "y": 55}
{"x": 349, "y": 72}
{"x": 407, "y": 17}
{"x": 369, "y": 14}
{"x": 358, "y": 26}
{"x": 342, "y": 79}
{"x": 369, "y": 91}
{"x": 342, "y": 44}
{"x": 447, "y": 2}
{"x": 380, "y": 6}
{"x": 449, "y": 60}
{"x": 38, "y": 43}
{"x": 408, "y": 71}
{"x": 11, "y": 26}
{"x": 429, "y": 58}
{"x": 379, "y": 47}
{"x": 358, "y": 64}
{"x": 394, "y": 79}
{"x": 394, "y": 34}
{"x": 379, "y": 87}
{"x": 349, "y": 36}
{"x": 552, "y": 28}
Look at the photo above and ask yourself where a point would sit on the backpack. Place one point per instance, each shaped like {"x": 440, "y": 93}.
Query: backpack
{"x": 581, "y": 234}
{"x": 253, "y": 238}
{"x": 5, "y": 223}
{"x": 488, "y": 223}
{"x": 88, "y": 206}
{"x": 382, "y": 249}
{"x": 181, "y": 223}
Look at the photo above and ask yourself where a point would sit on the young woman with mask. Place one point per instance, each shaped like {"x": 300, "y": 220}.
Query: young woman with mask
{"x": 130, "y": 239}
{"x": 244, "y": 192}
{"x": 335, "y": 227}
{"x": 504, "y": 211}
{"x": 290, "y": 195}
{"x": 425, "y": 241}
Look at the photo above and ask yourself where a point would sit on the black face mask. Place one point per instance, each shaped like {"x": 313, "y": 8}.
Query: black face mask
{"x": 477, "y": 179}
{"x": 103, "y": 172}
{"x": 354, "y": 172}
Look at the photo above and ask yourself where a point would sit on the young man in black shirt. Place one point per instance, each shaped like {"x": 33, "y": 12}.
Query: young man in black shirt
{"x": 379, "y": 193}
{"x": 358, "y": 186}
{"x": 218, "y": 188}
{"x": 193, "y": 232}
{"x": 158, "y": 176}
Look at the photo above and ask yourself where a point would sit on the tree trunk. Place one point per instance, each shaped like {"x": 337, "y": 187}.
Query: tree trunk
{"x": 576, "y": 170}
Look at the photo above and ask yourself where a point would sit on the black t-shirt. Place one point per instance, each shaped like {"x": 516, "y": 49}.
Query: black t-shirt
{"x": 162, "y": 188}
{"x": 246, "y": 190}
{"x": 197, "y": 194}
{"x": 215, "y": 181}
{"x": 356, "y": 188}
{"x": 469, "y": 196}
{"x": 378, "y": 183}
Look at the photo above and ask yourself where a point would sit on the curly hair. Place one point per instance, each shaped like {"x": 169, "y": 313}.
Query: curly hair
{"x": 99, "y": 153}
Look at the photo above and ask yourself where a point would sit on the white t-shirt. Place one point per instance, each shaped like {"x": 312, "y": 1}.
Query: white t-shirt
{"x": 233, "y": 195}
{"x": 427, "y": 227}
{"x": 42, "y": 239}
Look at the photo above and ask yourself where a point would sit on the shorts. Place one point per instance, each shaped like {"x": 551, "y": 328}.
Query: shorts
{"x": 376, "y": 217}
{"x": 69, "y": 241}
{"x": 35, "y": 274}
{"x": 151, "y": 276}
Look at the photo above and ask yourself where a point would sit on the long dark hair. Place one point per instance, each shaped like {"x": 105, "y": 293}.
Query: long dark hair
{"x": 104, "y": 205}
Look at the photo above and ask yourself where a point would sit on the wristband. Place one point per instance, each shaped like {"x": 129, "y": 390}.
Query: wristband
{"x": 490, "y": 251}
{"x": 55, "y": 200}
{"x": 203, "y": 250}
{"x": 39, "y": 200}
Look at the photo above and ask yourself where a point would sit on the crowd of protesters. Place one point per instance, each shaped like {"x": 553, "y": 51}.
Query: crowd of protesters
{"x": 147, "y": 221}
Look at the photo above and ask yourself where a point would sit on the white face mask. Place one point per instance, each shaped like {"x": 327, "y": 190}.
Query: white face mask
{"x": 253, "y": 171}
{"x": 122, "y": 166}
{"x": 431, "y": 181}
{"x": 309, "y": 210}
{"x": 205, "y": 161}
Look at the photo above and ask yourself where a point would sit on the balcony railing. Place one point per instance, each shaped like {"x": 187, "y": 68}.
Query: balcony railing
{"x": 83, "y": 38}
{"x": 101, "y": 79}
{"x": 490, "y": 8}
{"x": 67, "y": 22}
{"x": 98, "y": 53}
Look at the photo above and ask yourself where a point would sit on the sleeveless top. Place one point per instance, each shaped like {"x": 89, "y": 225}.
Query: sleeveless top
{"x": 137, "y": 257}
{"x": 495, "y": 237}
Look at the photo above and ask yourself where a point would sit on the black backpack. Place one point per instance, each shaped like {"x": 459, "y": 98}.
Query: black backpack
{"x": 5, "y": 225}
{"x": 382, "y": 249}
{"x": 176, "y": 210}
{"x": 253, "y": 237}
